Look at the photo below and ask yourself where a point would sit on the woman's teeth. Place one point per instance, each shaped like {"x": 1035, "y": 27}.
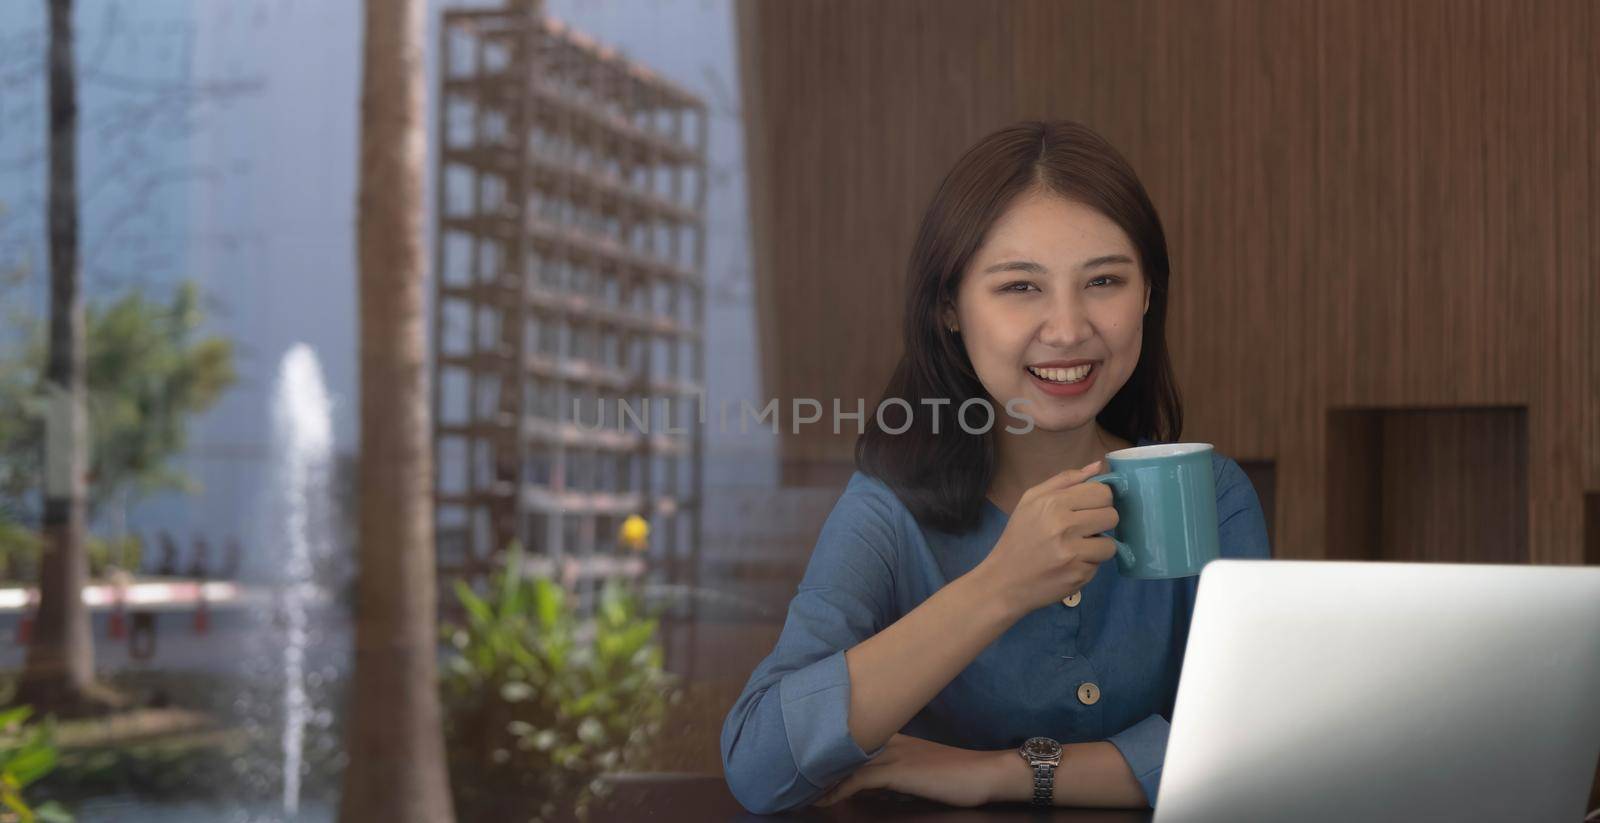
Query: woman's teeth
{"x": 1076, "y": 374}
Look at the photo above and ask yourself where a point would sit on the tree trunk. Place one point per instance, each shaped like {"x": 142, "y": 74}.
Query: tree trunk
{"x": 396, "y": 767}
{"x": 59, "y": 673}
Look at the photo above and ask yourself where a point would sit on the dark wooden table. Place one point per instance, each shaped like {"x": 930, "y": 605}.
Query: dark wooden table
{"x": 704, "y": 799}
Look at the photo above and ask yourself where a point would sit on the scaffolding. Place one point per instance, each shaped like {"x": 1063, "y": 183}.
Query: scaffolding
{"x": 569, "y": 264}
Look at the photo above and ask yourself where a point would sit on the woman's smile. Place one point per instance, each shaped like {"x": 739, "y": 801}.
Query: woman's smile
{"x": 1069, "y": 382}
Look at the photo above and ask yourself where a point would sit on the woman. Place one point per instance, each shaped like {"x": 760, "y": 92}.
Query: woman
{"x": 956, "y": 604}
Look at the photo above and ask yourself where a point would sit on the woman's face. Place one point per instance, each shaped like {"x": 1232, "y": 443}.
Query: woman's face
{"x": 1056, "y": 285}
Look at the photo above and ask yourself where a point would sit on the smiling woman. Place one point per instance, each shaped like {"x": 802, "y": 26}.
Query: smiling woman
{"x": 955, "y": 607}
{"x": 1040, "y": 254}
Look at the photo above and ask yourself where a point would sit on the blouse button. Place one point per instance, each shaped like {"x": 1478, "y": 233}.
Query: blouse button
{"x": 1072, "y": 599}
{"x": 1089, "y": 694}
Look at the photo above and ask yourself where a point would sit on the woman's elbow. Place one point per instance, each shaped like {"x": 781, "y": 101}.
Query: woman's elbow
{"x": 757, "y": 801}
{"x": 760, "y": 789}
{"x": 761, "y": 784}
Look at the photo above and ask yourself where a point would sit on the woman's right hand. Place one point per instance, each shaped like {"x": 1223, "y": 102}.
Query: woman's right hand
{"x": 1051, "y": 546}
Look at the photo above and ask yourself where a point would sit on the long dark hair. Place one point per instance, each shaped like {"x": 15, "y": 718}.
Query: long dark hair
{"x": 942, "y": 478}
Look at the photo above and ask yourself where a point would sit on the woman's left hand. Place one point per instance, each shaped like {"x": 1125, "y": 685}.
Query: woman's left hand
{"x": 911, "y": 765}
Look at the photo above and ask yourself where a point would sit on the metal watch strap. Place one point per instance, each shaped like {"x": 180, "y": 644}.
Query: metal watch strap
{"x": 1044, "y": 780}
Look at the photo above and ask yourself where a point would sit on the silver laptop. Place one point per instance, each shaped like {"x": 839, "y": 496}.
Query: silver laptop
{"x": 1343, "y": 691}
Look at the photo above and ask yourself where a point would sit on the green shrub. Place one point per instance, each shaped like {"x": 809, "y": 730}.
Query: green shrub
{"x": 539, "y": 703}
{"x": 20, "y": 549}
{"x": 27, "y": 753}
{"x": 107, "y": 553}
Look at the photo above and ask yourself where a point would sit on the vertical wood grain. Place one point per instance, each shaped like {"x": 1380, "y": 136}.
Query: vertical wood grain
{"x": 1369, "y": 205}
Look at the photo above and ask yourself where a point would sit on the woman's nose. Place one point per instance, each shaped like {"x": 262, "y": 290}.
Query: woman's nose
{"x": 1067, "y": 325}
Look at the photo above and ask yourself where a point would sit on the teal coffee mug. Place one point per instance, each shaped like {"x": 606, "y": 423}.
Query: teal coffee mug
{"x": 1166, "y": 504}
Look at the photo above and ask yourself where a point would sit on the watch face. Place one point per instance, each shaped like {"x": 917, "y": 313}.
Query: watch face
{"x": 1042, "y": 746}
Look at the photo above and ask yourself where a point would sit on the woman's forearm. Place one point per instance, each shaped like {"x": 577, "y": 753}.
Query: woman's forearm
{"x": 898, "y": 671}
{"x": 1090, "y": 774}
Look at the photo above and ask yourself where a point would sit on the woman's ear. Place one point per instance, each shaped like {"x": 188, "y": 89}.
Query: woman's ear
{"x": 1146, "y": 296}
{"x": 947, "y": 317}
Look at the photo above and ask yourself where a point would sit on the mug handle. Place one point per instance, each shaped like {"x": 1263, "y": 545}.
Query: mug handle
{"x": 1119, "y": 485}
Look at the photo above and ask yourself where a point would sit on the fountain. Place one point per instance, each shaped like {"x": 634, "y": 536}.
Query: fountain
{"x": 303, "y": 432}
{"x": 293, "y": 662}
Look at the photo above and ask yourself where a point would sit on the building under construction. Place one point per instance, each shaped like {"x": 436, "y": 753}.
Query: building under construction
{"x": 570, "y": 254}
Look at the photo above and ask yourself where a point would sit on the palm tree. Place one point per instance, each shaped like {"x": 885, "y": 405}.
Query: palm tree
{"x": 58, "y": 675}
{"x": 394, "y": 739}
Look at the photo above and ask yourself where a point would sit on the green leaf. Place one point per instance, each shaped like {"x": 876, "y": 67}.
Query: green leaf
{"x": 511, "y": 580}
{"x": 14, "y": 716}
{"x": 478, "y": 610}
{"x": 14, "y": 802}
{"x": 34, "y": 762}
{"x": 548, "y": 601}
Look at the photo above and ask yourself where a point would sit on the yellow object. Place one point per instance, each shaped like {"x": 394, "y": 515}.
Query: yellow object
{"x": 635, "y": 532}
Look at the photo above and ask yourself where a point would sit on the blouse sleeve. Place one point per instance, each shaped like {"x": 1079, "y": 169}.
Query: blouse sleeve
{"x": 1241, "y": 525}
{"x": 1242, "y": 532}
{"x": 786, "y": 740}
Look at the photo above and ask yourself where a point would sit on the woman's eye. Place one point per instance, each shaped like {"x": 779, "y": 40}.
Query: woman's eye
{"x": 1021, "y": 286}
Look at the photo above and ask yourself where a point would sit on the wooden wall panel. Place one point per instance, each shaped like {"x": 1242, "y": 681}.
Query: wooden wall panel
{"x": 1402, "y": 488}
{"x": 1452, "y": 504}
{"x": 1586, "y": 127}
{"x": 1355, "y": 500}
{"x": 820, "y": 140}
{"x": 1591, "y": 528}
{"x": 1369, "y": 205}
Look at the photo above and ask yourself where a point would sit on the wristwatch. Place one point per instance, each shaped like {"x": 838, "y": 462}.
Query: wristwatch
{"x": 1044, "y": 755}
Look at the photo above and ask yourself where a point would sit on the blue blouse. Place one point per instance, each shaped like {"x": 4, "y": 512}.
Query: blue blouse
{"x": 786, "y": 741}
